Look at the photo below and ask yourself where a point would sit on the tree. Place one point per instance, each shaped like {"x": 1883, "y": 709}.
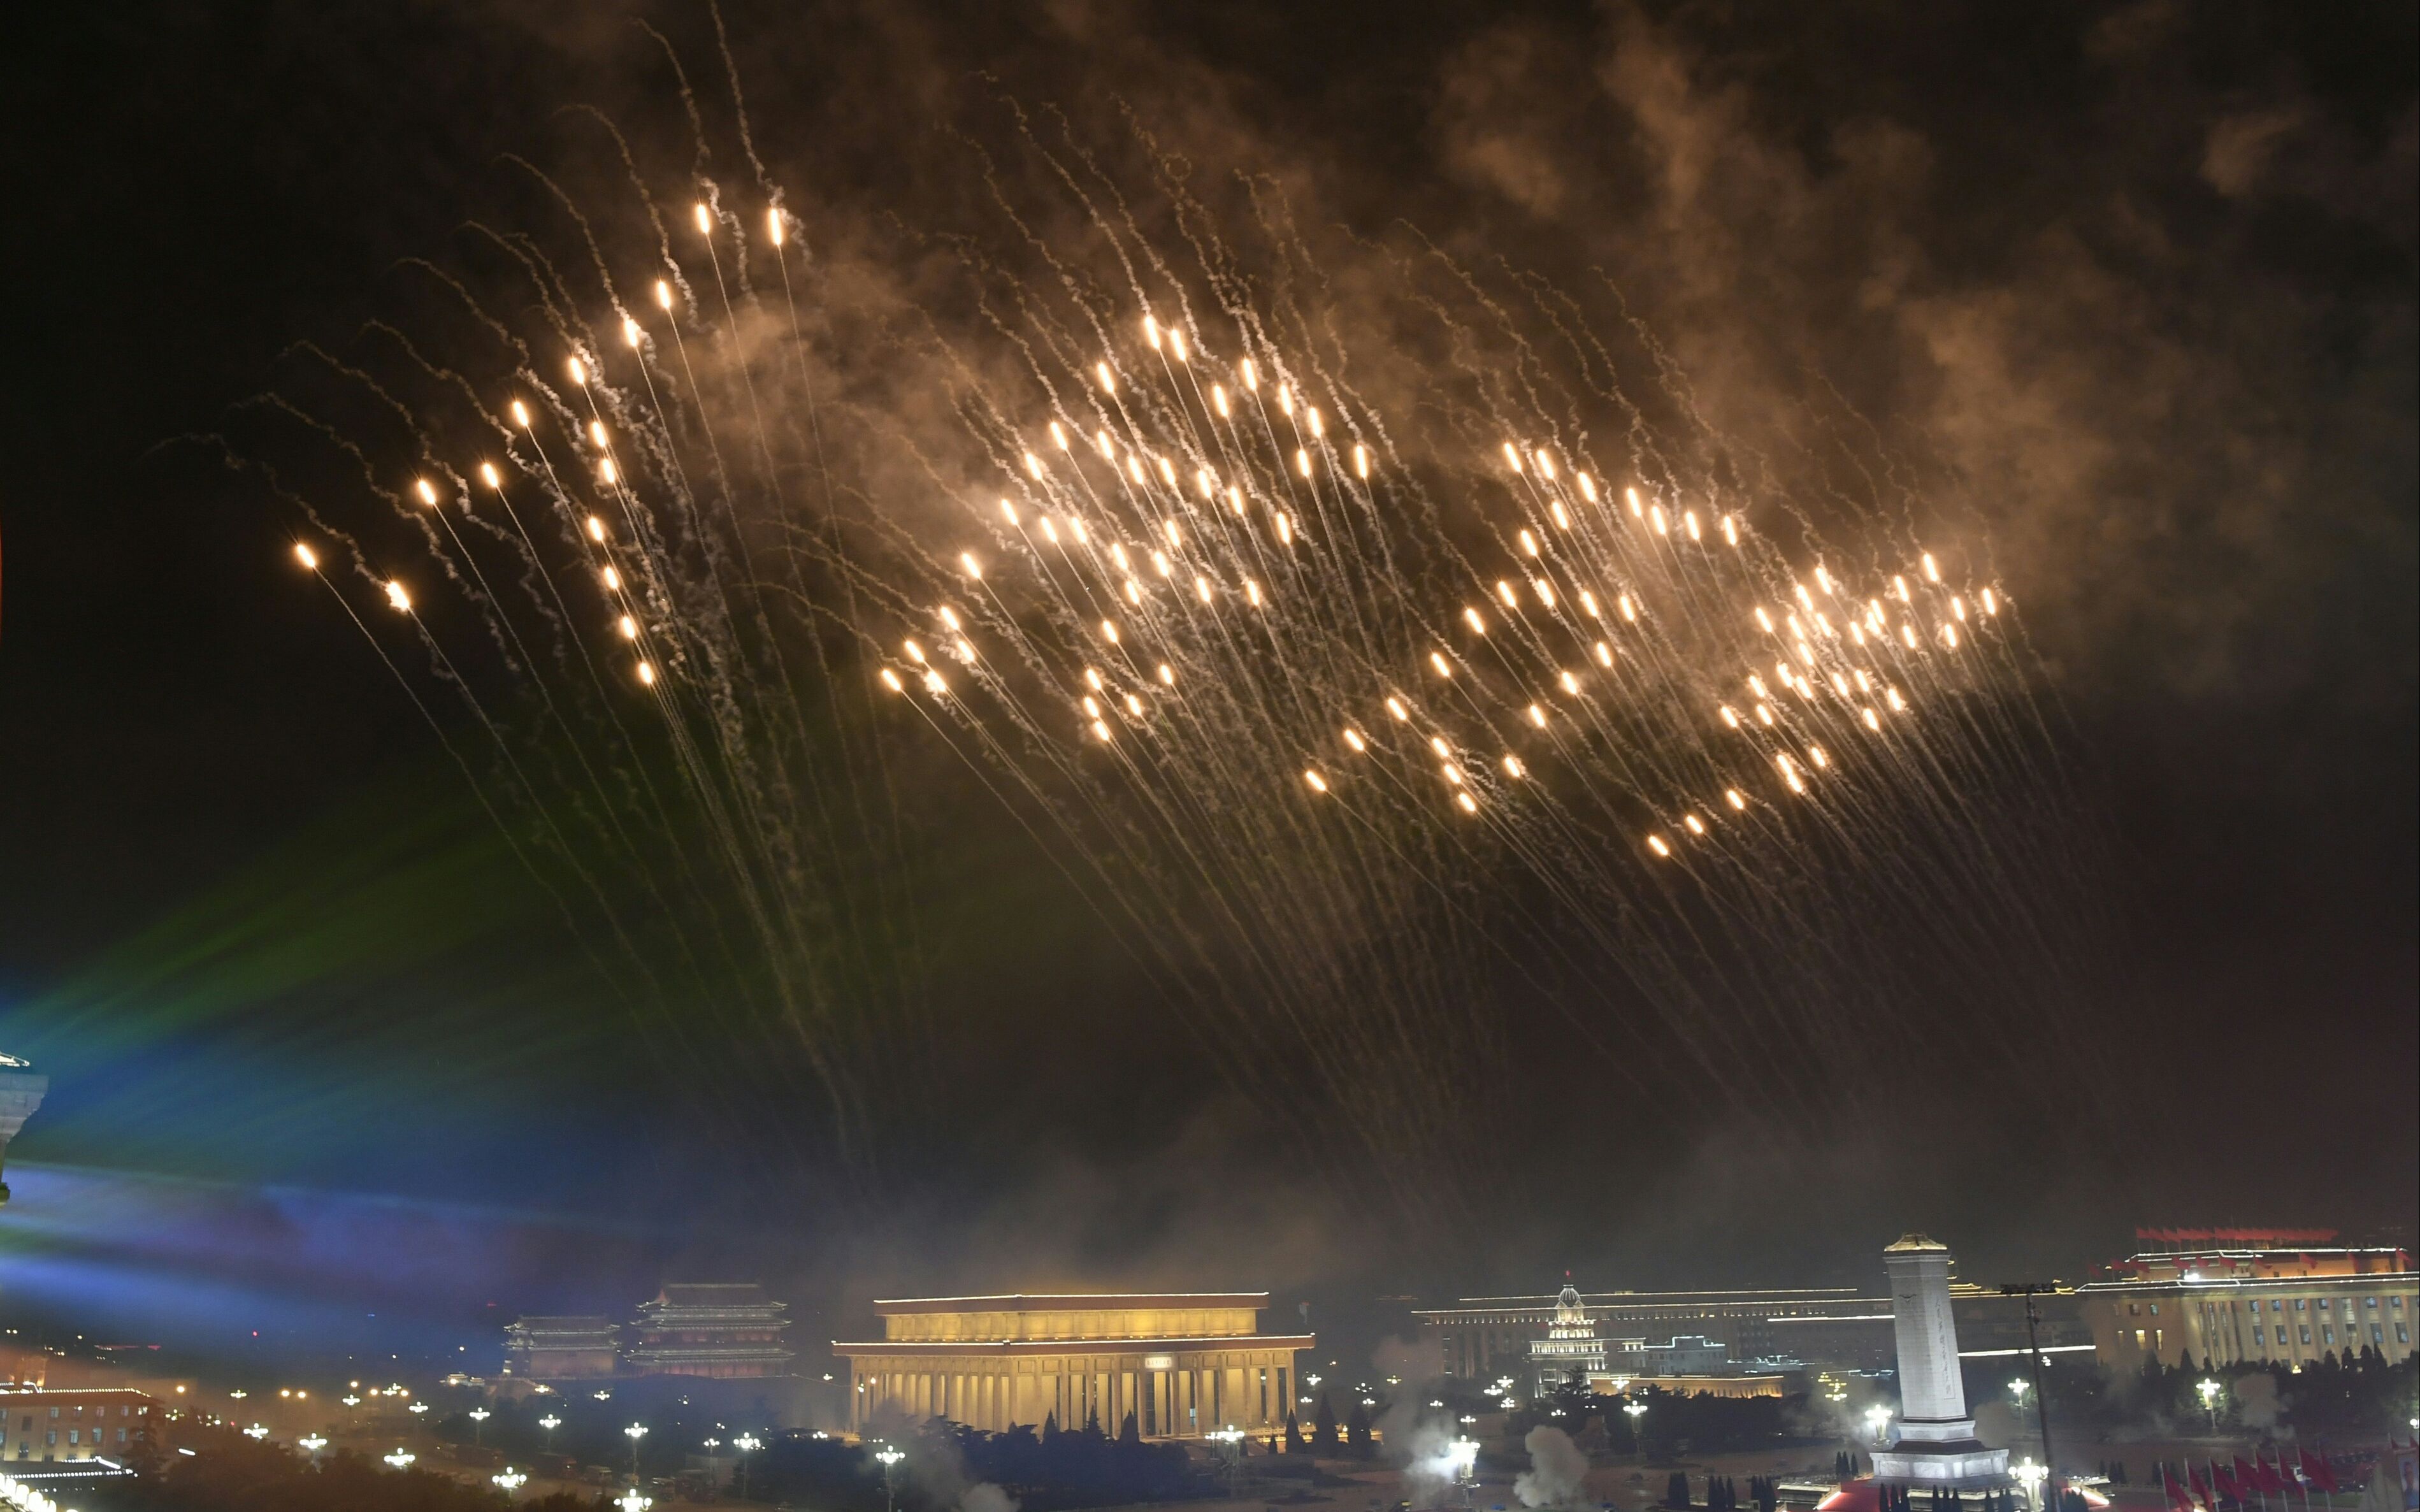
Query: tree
{"x": 1049, "y": 1430}
{"x": 1676, "y": 1491}
{"x": 1324, "y": 1434}
{"x": 1358, "y": 1428}
{"x": 1293, "y": 1434}
{"x": 1130, "y": 1431}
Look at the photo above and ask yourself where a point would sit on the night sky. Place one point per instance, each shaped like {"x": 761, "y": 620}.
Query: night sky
{"x": 2142, "y": 276}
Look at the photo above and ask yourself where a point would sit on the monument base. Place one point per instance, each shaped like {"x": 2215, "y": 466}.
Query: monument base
{"x": 1957, "y": 1465}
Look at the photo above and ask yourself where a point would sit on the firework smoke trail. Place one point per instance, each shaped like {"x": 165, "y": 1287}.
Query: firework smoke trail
{"x": 1220, "y": 582}
{"x": 1345, "y": 664}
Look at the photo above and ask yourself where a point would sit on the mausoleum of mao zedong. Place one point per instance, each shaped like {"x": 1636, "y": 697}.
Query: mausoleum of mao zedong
{"x": 1183, "y": 1364}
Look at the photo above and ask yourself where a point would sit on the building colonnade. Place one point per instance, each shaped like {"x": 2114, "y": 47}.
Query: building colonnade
{"x": 1177, "y": 1394}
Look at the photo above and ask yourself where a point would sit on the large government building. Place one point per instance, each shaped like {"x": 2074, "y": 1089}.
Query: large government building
{"x": 1183, "y": 1364}
{"x": 2231, "y": 1294}
{"x": 1650, "y": 1333}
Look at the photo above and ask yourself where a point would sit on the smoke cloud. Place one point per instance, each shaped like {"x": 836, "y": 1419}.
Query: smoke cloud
{"x": 1556, "y": 1469}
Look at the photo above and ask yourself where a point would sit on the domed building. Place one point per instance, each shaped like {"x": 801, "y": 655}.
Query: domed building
{"x": 1571, "y": 1345}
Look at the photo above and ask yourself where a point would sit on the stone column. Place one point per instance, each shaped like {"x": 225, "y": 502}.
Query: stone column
{"x": 1933, "y": 1392}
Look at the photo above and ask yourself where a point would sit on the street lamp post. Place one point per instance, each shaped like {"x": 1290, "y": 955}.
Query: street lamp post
{"x": 509, "y": 1481}
{"x": 312, "y": 1443}
{"x": 1637, "y": 1413}
{"x": 549, "y": 1423}
{"x": 746, "y": 1443}
{"x": 889, "y": 1457}
{"x": 2032, "y": 1475}
{"x": 1463, "y": 1457}
{"x": 1877, "y": 1418}
{"x": 2029, "y": 1290}
{"x": 400, "y": 1459}
{"x": 479, "y": 1416}
{"x": 2210, "y": 1391}
{"x": 636, "y": 1432}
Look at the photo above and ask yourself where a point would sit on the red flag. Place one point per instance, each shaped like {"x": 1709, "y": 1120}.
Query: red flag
{"x": 2201, "y": 1486}
{"x": 2225, "y": 1480}
{"x": 2318, "y": 1472}
{"x": 2178, "y": 1498}
{"x": 2268, "y": 1476}
{"x": 2249, "y": 1476}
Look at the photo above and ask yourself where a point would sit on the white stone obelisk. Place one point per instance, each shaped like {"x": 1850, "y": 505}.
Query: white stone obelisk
{"x": 1937, "y": 1443}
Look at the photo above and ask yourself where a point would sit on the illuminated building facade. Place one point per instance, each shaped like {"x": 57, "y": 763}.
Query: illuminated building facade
{"x": 1183, "y": 1364}
{"x": 552, "y": 1349}
{"x": 104, "y": 1423}
{"x": 1571, "y": 1345}
{"x": 723, "y": 1331}
{"x": 1831, "y": 1327}
{"x": 2235, "y": 1295}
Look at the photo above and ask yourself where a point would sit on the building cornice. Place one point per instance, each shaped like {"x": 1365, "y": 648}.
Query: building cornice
{"x": 1162, "y": 1346}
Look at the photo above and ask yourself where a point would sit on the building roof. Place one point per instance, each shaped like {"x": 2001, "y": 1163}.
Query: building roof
{"x": 1085, "y": 1346}
{"x": 551, "y": 1327}
{"x": 1915, "y": 1244}
{"x": 1070, "y": 1301}
{"x": 713, "y": 1294}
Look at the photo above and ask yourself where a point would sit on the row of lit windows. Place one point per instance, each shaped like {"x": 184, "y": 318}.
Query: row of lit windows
{"x": 2276, "y": 1305}
{"x": 75, "y": 1436}
{"x": 102, "y": 1411}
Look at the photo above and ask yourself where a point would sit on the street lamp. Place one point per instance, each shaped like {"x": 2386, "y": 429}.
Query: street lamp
{"x": 349, "y": 1400}
{"x": 479, "y": 1416}
{"x": 1635, "y": 1411}
{"x": 1877, "y": 1418}
{"x": 2210, "y": 1391}
{"x": 746, "y": 1443}
{"x": 312, "y": 1443}
{"x": 549, "y": 1423}
{"x": 636, "y": 1431}
{"x": 509, "y": 1481}
{"x": 2018, "y": 1386}
{"x": 400, "y": 1459}
{"x": 1462, "y": 1457}
{"x": 889, "y": 1457}
{"x": 256, "y": 1433}
{"x": 630, "y": 1501}
{"x": 2032, "y": 1475}
{"x": 417, "y": 1408}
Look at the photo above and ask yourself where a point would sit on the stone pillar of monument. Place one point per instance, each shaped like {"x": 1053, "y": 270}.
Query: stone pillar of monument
{"x": 1937, "y": 1443}
{"x": 1931, "y": 1392}
{"x": 21, "y": 1093}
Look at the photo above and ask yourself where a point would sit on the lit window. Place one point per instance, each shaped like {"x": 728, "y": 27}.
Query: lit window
{"x": 2257, "y": 1335}
{"x": 2370, "y": 1302}
{"x": 2300, "y": 1305}
{"x": 2306, "y": 1334}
